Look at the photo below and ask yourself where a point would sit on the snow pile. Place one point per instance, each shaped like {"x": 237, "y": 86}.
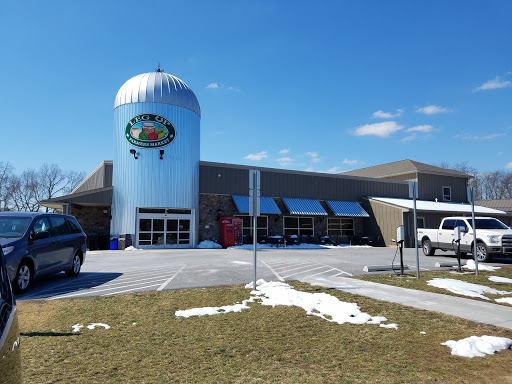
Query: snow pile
{"x": 506, "y": 300}
{"x": 77, "y": 327}
{"x": 481, "y": 267}
{"x": 394, "y": 326}
{"x": 208, "y": 244}
{"x": 322, "y": 305}
{"x": 475, "y": 346}
{"x": 132, "y": 248}
{"x": 498, "y": 279}
{"x": 463, "y": 288}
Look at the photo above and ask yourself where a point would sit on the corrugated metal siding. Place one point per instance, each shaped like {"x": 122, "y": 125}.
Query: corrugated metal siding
{"x": 101, "y": 177}
{"x": 383, "y": 220}
{"x": 148, "y": 181}
{"x": 430, "y": 187}
{"x": 297, "y": 206}
{"x": 227, "y": 180}
{"x": 347, "y": 208}
{"x": 267, "y": 204}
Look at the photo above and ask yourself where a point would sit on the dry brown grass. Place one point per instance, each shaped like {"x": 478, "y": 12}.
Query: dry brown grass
{"x": 260, "y": 345}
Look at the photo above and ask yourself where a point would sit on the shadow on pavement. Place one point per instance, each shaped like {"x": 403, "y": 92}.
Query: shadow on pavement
{"x": 60, "y": 284}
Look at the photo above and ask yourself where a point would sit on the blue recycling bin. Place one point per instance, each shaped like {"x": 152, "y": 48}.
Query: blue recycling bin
{"x": 113, "y": 243}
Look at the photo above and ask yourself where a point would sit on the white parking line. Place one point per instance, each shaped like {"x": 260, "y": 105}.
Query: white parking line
{"x": 169, "y": 280}
{"x": 272, "y": 270}
{"x": 130, "y": 290}
{"x": 298, "y": 273}
{"x": 320, "y": 273}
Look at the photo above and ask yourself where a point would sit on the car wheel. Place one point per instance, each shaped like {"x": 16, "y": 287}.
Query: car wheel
{"x": 75, "y": 266}
{"x": 427, "y": 248}
{"x": 23, "y": 278}
{"x": 482, "y": 253}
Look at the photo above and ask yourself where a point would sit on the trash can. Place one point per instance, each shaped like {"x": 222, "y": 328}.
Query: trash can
{"x": 113, "y": 243}
{"x": 121, "y": 244}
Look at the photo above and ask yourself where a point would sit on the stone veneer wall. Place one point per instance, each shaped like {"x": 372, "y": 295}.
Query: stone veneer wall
{"x": 95, "y": 224}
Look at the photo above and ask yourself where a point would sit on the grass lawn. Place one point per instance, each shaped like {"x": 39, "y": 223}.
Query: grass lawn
{"x": 410, "y": 281}
{"x": 259, "y": 345}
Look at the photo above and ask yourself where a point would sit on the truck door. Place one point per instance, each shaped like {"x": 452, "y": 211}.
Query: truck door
{"x": 445, "y": 235}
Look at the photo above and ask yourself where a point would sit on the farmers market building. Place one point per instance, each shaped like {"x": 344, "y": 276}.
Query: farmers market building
{"x": 183, "y": 200}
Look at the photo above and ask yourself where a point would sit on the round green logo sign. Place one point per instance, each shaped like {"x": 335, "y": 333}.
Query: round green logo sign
{"x": 150, "y": 131}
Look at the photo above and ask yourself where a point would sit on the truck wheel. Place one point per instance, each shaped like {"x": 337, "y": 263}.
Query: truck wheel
{"x": 427, "y": 248}
{"x": 482, "y": 253}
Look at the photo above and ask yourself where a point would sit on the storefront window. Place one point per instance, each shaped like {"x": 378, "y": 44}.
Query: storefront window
{"x": 261, "y": 223}
{"x": 340, "y": 227}
{"x": 300, "y": 226}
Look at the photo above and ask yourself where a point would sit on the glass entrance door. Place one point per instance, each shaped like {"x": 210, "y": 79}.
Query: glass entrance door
{"x": 157, "y": 230}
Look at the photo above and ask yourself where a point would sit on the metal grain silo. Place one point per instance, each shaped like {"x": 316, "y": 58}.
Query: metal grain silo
{"x": 156, "y": 162}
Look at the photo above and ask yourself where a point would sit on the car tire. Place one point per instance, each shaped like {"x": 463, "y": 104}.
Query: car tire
{"x": 428, "y": 250}
{"x": 482, "y": 253}
{"x": 76, "y": 265}
{"x": 24, "y": 277}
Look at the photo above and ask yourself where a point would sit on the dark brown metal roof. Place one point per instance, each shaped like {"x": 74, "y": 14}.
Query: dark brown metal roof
{"x": 403, "y": 167}
{"x": 503, "y": 204}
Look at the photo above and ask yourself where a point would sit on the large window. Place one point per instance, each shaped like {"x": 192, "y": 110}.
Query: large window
{"x": 340, "y": 227}
{"x": 447, "y": 193}
{"x": 261, "y": 223}
{"x": 300, "y": 226}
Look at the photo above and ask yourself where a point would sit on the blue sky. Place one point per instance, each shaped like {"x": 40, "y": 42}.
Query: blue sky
{"x": 322, "y": 86}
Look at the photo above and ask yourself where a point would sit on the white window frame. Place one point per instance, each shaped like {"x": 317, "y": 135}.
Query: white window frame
{"x": 298, "y": 225}
{"x": 260, "y": 229}
{"x": 444, "y": 196}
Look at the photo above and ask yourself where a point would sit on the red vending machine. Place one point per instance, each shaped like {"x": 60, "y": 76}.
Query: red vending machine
{"x": 231, "y": 231}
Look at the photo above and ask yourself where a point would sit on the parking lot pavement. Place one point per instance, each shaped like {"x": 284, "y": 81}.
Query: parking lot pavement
{"x": 116, "y": 272}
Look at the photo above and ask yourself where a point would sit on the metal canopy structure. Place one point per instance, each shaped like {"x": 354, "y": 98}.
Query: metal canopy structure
{"x": 267, "y": 204}
{"x": 298, "y": 206}
{"x": 347, "y": 208}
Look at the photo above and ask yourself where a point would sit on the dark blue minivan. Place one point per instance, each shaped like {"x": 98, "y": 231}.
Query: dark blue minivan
{"x": 10, "y": 358}
{"x": 37, "y": 244}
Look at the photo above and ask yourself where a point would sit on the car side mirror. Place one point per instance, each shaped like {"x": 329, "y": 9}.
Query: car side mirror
{"x": 42, "y": 235}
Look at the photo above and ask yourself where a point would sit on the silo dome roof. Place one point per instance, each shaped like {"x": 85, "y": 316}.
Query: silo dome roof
{"x": 157, "y": 87}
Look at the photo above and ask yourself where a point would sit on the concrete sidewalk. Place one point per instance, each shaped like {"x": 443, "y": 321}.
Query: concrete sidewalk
{"x": 469, "y": 309}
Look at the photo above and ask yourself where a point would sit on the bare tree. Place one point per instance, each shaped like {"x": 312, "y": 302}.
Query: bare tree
{"x": 6, "y": 180}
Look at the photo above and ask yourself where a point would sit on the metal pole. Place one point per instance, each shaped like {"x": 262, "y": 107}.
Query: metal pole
{"x": 254, "y": 242}
{"x": 474, "y": 228}
{"x": 416, "y": 236}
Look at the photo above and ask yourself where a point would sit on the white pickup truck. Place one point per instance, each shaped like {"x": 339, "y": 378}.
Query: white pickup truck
{"x": 492, "y": 237}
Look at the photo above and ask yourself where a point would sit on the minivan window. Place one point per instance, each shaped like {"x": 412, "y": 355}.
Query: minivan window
{"x": 75, "y": 227}
{"x": 41, "y": 224}
{"x": 59, "y": 226}
{"x": 12, "y": 226}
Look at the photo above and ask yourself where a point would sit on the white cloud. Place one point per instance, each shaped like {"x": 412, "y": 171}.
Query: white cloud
{"x": 387, "y": 115}
{"x": 314, "y": 156}
{"x": 509, "y": 165}
{"x": 378, "y": 129}
{"x": 420, "y": 128}
{"x": 467, "y": 136}
{"x": 432, "y": 110}
{"x": 257, "y": 156}
{"x": 309, "y": 169}
{"x": 221, "y": 86}
{"x": 284, "y": 151}
{"x": 494, "y": 84}
{"x": 285, "y": 160}
{"x": 409, "y": 138}
{"x": 350, "y": 162}
{"x": 330, "y": 170}
{"x": 213, "y": 85}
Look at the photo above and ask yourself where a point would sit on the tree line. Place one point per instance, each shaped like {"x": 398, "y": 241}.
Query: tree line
{"x": 495, "y": 185}
{"x": 25, "y": 191}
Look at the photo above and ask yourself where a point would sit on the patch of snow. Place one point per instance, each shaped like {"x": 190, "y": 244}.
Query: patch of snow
{"x": 499, "y": 279}
{"x": 506, "y": 300}
{"x": 464, "y": 288}
{"x": 268, "y": 246}
{"x": 208, "y": 244}
{"x": 481, "y": 267}
{"x": 395, "y": 326}
{"x": 77, "y": 327}
{"x": 134, "y": 323}
{"x": 132, "y": 248}
{"x": 241, "y": 262}
{"x": 323, "y": 305}
{"x": 423, "y": 333}
{"x": 94, "y": 325}
{"x": 475, "y": 346}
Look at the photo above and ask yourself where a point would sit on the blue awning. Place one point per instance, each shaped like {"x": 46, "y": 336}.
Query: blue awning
{"x": 267, "y": 204}
{"x": 298, "y": 206}
{"x": 347, "y": 208}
